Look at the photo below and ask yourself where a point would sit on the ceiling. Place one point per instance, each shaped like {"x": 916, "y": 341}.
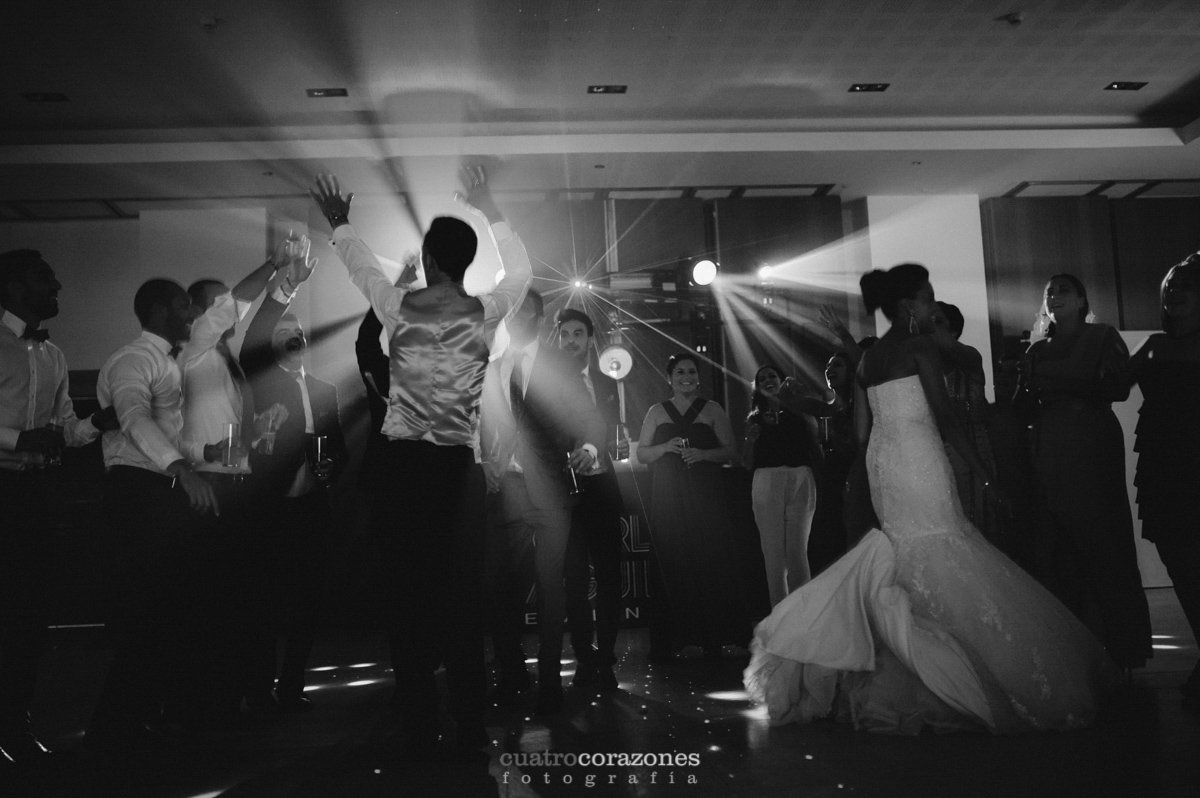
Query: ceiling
{"x": 182, "y": 102}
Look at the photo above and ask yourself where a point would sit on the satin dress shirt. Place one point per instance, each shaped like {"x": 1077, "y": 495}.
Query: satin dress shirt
{"x": 438, "y": 340}
{"x": 142, "y": 382}
{"x": 33, "y": 393}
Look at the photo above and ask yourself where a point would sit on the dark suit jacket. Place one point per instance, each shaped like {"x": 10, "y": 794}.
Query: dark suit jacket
{"x": 274, "y": 473}
{"x": 609, "y": 404}
{"x": 559, "y": 417}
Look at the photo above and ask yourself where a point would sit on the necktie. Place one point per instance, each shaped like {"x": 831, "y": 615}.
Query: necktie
{"x": 516, "y": 388}
{"x": 33, "y": 334}
{"x": 235, "y": 368}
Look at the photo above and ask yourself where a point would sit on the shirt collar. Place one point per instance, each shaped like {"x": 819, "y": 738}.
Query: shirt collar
{"x": 14, "y": 323}
{"x": 293, "y": 373}
{"x": 157, "y": 341}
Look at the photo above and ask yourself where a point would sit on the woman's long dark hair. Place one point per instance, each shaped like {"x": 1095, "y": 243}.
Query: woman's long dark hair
{"x": 758, "y": 401}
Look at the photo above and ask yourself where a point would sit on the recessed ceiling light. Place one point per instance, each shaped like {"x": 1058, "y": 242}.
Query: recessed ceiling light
{"x": 1125, "y": 85}
{"x": 327, "y": 92}
{"x": 857, "y": 87}
{"x": 45, "y": 97}
{"x": 608, "y": 89}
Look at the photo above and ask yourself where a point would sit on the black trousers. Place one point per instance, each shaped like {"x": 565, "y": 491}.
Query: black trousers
{"x": 596, "y": 540}
{"x": 288, "y": 547}
{"x": 158, "y": 600}
{"x": 434, "y": 512}
{"x": 26, "y": 561}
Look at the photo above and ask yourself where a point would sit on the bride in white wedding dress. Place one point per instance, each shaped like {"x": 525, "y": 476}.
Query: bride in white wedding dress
{"x": 923, "y": 624}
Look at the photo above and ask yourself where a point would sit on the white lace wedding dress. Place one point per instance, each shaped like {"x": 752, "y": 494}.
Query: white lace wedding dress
{"x": 924, "y": 624}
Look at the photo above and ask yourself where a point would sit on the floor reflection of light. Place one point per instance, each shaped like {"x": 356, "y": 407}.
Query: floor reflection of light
{"x": 363, "y": 682}
{"x": 212, "y": 794}
{"x": 1163, "y": 637}
{"x": 311, "y": 687}
{"x": 729, "y": 695}
{"x": 1165, "y": 647}
{"x": 362, "y": 665}
{"x": 323, "y": 668}
{"x": 755, "y": 713}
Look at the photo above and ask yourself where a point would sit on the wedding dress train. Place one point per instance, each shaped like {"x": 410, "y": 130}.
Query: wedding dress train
{"x": 924, "y": 624}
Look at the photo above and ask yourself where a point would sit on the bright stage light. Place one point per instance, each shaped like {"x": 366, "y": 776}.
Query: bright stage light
{"x": 579, "y": 283}
{"x": 764, "y": 273}
{"x": 704, "y": 272}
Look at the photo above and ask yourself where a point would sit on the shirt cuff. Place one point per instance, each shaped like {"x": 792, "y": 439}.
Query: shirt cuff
{"x": 8, "y": 438}
{"x": 282, "y": 297}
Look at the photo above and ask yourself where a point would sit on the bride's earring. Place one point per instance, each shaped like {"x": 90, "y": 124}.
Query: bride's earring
{"x": 912, "y": 324}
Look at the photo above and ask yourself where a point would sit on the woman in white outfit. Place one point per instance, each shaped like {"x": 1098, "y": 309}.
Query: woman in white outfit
{"x": 781, "y": 450}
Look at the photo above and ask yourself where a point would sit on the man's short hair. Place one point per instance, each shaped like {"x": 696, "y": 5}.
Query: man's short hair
{"x": 197, "y": 290}
{"x": 573, "y": 314}
{"x": 452, "y": 244}
{"x": 154, "y": 292}
{"x": 16, "y": 265}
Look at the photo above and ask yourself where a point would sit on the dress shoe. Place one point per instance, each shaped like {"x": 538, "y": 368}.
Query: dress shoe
{"x": 549, "y": 700}
{"x": 294, "y": 705}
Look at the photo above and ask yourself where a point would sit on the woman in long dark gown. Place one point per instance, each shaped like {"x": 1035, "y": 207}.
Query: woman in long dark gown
{"x": 1167, "y": 367}
{"x": 685, "y": 440}
{"x": 1076, "y": 372}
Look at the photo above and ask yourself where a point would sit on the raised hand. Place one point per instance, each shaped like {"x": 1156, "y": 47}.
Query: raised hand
{"x": 328, "y": 195}
{"x": 410, "y": 269}
{"x": 301, "y": 266}
{"x": 479, "y": 195}
{"x": 831, "y": 321}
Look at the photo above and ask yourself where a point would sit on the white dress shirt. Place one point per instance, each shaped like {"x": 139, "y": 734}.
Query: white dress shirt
{"x": 212, "y": 398}
{"x": 144, "y": 385}
{"x": 33, "y": 393}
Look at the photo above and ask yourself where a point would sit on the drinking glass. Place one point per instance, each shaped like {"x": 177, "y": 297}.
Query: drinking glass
{"x": 231, "y": 456}
{"x": 575, "y": 489}
{"x": 320, "y": 458}
{"x": 622, "y": 452}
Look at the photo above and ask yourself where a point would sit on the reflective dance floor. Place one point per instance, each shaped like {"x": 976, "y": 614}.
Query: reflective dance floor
{"x": 684, "y": 729}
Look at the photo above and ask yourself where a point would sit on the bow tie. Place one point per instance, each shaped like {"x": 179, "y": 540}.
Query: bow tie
{"x": 34, "y": 334}
{"x": 174, "y": 351}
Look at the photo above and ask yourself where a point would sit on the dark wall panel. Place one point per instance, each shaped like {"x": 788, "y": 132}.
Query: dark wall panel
{"x": 655, "y": 234}
{"x": 1028, "y": 240}
{"x": 1151, "y": 236}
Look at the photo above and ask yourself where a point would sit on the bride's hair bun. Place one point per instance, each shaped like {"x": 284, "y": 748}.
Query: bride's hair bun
{"x": 882, "y": 290}
{"x": 875, "y": 290}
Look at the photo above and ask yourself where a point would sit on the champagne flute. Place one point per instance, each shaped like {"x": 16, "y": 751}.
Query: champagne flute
{"x": 622, "y": 442}
{"x": 575, "y": 489}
